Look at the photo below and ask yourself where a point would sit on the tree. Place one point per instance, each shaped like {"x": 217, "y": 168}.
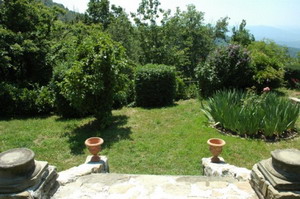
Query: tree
{"x": 26, "y": 27}
{"x": 121, "y": 30}
{"x": 182, "y": 40}
{"x": 25, "y": 67}
{"x": 149, "y": 32}
{"x": 242, "y": 35}
{"x": 268, "y": 61}
{"x": 190, "y": 39}
{"x": 226, "y": 67}
{"x": 90, "y": 81}
{"x": 221, "y": 29}
{"x": 98, "y": 12}
{"x": 147, "y": 13}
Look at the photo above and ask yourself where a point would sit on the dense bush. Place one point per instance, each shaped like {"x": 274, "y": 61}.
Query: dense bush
{"x": 62, "y": 105}
{"x": 89, "y": 83}
{"x": 226, "y": 67}
{"x": 23, "y": 101}
{"x": 180, "y": 89}
{"x": 24, "y": 42}
{"x": 186, "y": 89}
{"x": 155, "y": 85}
{"x": 250, "y": 114}
{"x": 124, "y": 88}
{"x": 292, "y": 76}
{"x": 268, "y": 61}
{"x": 66, "y": 53}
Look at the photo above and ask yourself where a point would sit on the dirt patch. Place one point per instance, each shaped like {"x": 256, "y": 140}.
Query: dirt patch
{"x": 286, "y": 135}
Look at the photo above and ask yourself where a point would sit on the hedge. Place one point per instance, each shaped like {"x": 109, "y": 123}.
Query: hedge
{"x": 155, "y": 85}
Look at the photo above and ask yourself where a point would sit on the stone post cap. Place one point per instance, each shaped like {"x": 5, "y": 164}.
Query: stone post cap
{"x": 287, "y": 160}
{"x": 16, "y": 163}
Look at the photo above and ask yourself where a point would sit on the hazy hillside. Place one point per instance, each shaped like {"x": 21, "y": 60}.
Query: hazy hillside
{"x": 293, "y": 51}
{"x": 68, "y": 17}
{"x": 289, "y": 37}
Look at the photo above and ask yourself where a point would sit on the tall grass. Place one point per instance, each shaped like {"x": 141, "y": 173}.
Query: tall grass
{"x": 250, "y": 114}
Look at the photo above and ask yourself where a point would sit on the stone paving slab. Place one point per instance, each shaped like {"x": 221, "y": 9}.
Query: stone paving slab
{"x": 125, "y": 186}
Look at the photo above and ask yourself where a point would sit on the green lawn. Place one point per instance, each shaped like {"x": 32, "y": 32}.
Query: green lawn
{"x": 169, "y": 140}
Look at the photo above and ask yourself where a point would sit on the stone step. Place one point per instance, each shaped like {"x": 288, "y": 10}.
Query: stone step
{"x": 115, "y": 186}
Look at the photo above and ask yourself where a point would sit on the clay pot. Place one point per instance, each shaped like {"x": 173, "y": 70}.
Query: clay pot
{"x": 94, "y": 146}
{"x": 215, "y": 147}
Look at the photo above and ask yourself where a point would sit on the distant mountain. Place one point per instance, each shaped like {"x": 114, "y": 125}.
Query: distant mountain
{"x": 68, "y": 17}
{"x": 289, "y": 37}
{"x": 293, "y": 51}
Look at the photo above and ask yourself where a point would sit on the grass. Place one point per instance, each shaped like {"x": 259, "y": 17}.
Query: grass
{"x": 169, "y": 140}
{"x": 288, "y": 92}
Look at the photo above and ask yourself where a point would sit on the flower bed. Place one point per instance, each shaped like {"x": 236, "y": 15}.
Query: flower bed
{"x": 249, "y": 114}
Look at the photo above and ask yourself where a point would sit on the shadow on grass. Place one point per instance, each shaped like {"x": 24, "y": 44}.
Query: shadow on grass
{"x": 158, "y": 107}
{"x": 114, "y": 133}
{"x": 279, "y": 93}
{"x": 25, "y": 117}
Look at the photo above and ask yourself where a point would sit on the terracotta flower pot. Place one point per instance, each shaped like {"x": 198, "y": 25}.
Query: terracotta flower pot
{"x": 215, "y": 147}
{"x": 94, "y": 146}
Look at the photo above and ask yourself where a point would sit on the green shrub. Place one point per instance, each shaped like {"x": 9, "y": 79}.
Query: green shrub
{"x": 268, "y": 61}
{"x": 7, "y": 99}
{"x": 180, "y": 89}
{"x": 192, "y": 90}
{"x": 89, "y": 83}
{"x": 124, "y": 88}
{"x": 23, "y": 101}
{"x": 155, "y": 85}
{"x": 186, "y": 89}
{"x": 292, "y": 76}
{"x": 62, "y": 105}
{"x": 226, "y": 67}
{"x": 250, "y": 114}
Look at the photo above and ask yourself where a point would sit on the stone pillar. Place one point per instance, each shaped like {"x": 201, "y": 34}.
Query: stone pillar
{"x": 224, "y": 169}
{"x": 23, "y": 177}
{"x": 279, "y": 176}
{"x": 87, "y": 168}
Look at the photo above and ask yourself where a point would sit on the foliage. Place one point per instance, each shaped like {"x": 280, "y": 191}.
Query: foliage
{"x": 63, "y": 106}
{"x": 180, "y": 89}
{"x": 121, "y": 30}
{"x": 66, "y": 53}
{"x": 187, "y": 39}
{"x": 124, "y": 88}
{"x": 268, "y": 61}
{"x": 182, "y": 40}
{"x": 292, "y": 76}
{"x": 250, "y": 114}
{"x": 63, "y": 51}
{"x": 226, "y": 67}
{"x": 23, "y": 101}
{"x": 25, "y": 29}
{"x": 147, "y": 13}
{"x": 98, "y": 12}
{"x": 186, "y": 89}
{"x": 89, "y": 83}
{"x": 155, "y": 85}
{"x": 241, "y": 35}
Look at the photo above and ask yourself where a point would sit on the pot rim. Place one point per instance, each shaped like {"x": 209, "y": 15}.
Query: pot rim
{"x": 222, "y": 142}
{"x": 98, "y": 139}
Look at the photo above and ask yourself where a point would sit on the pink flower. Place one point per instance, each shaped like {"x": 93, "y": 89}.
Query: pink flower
{"x": 295, "y": 80}
{"x": 266, "y": 89}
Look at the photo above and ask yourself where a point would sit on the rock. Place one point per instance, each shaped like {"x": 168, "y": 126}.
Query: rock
{"x": 278, "y": 177}
{"x": 87, "y": 168}
{"x": 111, "y": 186}
{"x": 22, "y": 177}
{"x": 224, "y": 169}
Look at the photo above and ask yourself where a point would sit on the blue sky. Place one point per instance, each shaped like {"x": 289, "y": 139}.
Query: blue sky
{"x": 276, "y": 13}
